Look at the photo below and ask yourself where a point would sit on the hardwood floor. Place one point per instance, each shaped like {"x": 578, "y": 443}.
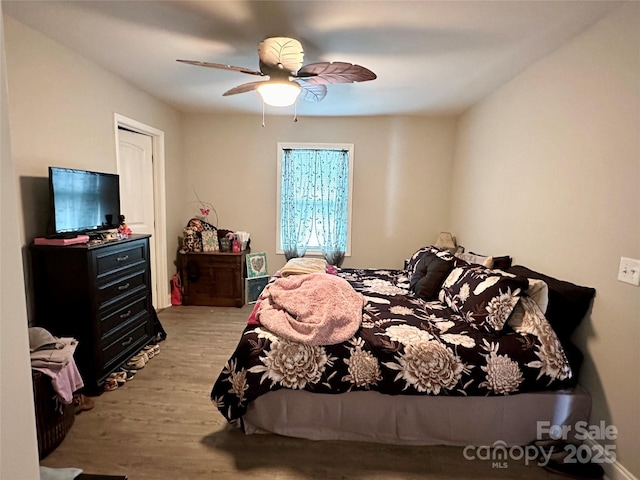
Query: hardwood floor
{"x": 162, "y": 425}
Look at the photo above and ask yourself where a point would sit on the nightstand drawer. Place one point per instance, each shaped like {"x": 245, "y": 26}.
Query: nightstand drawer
{"x": 123, "y": 313}
{"x": 215, "y": 261}
{"x": 116, "y": 259}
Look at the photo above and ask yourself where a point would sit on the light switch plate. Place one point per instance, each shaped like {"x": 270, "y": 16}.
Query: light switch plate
{"x": 629, "y": 271}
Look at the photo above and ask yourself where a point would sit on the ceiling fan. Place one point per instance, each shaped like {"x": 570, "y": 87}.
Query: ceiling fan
{"x": 286, "y": 77}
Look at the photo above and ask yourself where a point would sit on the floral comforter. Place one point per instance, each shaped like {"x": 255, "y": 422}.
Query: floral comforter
{"x": 405, "y": 345}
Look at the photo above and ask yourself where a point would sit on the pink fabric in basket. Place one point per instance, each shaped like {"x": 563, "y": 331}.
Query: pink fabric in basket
{"x": 64, "y": 381}
{"x": 315, "y": 309}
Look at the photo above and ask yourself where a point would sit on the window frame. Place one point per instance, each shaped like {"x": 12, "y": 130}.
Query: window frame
{"x": 349, "y": 147}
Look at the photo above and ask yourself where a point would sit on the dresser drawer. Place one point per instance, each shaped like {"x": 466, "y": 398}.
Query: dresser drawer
{"x": 121, "y": 287}
{"x": 115, "y": 259}
{"x": 121, "y": 342}
{"x": 123, "y": 312}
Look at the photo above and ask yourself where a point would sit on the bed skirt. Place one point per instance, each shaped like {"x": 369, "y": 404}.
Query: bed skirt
{"x": 415, "y": 420}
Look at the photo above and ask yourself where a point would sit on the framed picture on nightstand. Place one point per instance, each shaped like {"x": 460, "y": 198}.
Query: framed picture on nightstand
{"x": 253, "y": 288}
{"x": 256, "y": 265}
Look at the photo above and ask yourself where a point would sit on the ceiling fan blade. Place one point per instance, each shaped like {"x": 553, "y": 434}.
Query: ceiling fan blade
{"x": 280, "y": 53}
{"x": 335, "y": 72}
{"x": 245, "y": 87}
{"x": 222, "y": 66}
{"x": 312, "y": 92}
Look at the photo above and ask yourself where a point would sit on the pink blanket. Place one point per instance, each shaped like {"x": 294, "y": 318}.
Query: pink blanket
{"x": 315, "y": 309}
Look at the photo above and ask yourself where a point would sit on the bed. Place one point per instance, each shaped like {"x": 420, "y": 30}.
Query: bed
{"x": 444, "y": 351}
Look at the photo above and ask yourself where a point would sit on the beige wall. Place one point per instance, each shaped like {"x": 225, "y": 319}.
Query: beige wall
{"x": 547, "y": 169}
{"x": 401, "y": 177}
{"x": 62, "y": 113}
{"x": 544, "y": 170}
{"x": 19, "y": 453}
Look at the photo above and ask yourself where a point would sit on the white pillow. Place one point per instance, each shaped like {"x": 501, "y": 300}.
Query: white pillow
{"x": 538, "y": 291}
{"x": 302, "y": 265}
{"x": 477, "y": 259}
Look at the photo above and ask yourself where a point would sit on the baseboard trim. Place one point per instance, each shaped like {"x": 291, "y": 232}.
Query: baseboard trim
{"x": 614, "y": 470}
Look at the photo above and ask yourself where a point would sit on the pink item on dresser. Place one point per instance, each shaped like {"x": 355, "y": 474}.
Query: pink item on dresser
{"x": 61, "y": 242}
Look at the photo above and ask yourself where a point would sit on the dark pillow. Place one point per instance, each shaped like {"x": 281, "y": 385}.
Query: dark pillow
{"x": 568, "y": 303}
{"x": 412, "y": 263}
{"x": 430, "y": 271}
{"x": 483, "y": 297}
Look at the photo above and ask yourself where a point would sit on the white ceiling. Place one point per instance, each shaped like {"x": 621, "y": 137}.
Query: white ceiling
{"x": 431, "y": 57}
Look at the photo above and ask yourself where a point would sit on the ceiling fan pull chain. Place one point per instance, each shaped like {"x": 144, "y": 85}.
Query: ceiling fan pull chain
{"x": 295, "y": 112}
{"x": 263, "y": 113}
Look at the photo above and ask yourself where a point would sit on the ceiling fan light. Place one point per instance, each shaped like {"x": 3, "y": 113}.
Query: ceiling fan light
{"x": 279, "y": 94}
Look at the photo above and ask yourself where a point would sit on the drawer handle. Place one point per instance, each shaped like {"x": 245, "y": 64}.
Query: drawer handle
{"x": 124, "y": 287}
{"x": 126, "y": 343}
{"x": 126, "y": 315}
{"x": 122, "y": 259}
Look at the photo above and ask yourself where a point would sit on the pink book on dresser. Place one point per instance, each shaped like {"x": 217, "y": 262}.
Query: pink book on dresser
{"x": 61, "y": 242}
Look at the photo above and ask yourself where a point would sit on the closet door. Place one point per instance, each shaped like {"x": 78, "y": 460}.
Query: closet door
{"x": 135, "y": 167}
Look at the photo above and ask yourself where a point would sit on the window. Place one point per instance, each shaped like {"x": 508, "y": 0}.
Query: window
{"x": 315, "y": 183}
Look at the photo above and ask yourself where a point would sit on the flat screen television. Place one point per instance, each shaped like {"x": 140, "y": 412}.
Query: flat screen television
{"x": 83, "y": 201}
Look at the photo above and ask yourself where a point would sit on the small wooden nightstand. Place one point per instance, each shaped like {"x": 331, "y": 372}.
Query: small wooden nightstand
{"x": 213, "y": 278}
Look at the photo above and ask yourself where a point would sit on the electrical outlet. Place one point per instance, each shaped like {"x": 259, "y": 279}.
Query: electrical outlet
{"x": 629, "y": 271}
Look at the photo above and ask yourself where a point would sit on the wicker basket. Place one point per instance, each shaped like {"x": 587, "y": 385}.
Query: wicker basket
{"x": 53, "y": 419}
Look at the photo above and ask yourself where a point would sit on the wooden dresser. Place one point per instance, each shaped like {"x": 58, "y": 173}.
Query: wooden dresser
{"x": 101, "y": 296}
{"x": 213, "y": 278}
